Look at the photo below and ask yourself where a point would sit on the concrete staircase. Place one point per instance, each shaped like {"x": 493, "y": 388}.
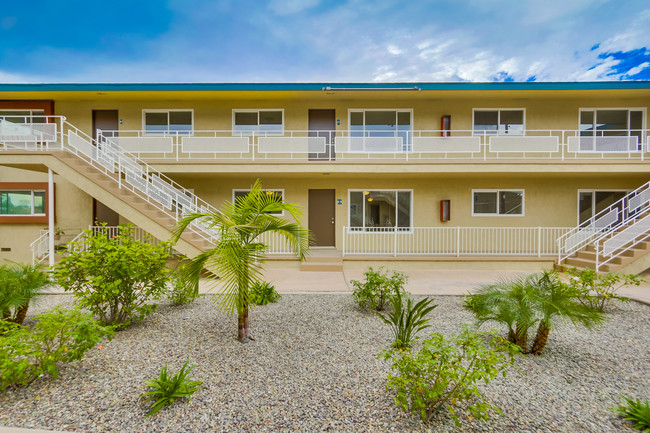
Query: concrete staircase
{"x": 323, "y": 260}
{"x": 633, "y": 261}
{"x": 105, "y": 188}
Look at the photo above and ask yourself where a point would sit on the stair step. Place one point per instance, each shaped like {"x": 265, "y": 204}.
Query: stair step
{"x": 321, "y": 267}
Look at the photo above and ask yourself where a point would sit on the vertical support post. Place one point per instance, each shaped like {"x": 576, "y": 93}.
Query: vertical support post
{"x": 458, "y": 241}
{"x": 50, "y": 214}
{"x": 539, "y": 242}
{"x": 597, "y": 256}
{"x": 343, "y": 242}
{"x": 395, "y": 242}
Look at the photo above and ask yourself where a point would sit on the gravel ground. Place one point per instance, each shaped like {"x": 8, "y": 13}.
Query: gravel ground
{"x": 314, "y": 367}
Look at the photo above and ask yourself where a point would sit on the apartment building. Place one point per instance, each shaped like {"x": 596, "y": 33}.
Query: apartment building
{"x": 412, "y": 172}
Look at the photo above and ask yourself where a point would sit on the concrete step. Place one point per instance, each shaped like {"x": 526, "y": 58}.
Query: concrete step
{"x": 321, "y": 267}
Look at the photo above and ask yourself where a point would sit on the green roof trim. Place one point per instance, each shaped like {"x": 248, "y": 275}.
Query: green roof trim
{"x": 130, "y": 87}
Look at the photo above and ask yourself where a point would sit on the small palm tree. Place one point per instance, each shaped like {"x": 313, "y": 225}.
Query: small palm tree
{"x": 19, "y": 284}
{"x": 539, "y": 299}
{"x": 238, "y": 254}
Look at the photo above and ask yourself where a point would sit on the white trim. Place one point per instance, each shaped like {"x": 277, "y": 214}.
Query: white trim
{"x": 364, "y": 228}
{"x": 166, "y": 110}
{"x": 396, "y": 110}
{"x": 498, "y": 110}
{"x": 256, "y": 110}
{"x": 497, "y": 191}
{"x": 280, "y": 190}
{"x": 593, "y": 198}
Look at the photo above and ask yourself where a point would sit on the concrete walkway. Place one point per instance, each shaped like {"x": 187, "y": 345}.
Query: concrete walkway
{"x": 421, "y": 282}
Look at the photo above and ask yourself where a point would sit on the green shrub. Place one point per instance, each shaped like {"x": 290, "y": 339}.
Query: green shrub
{"x": 58, "y": 336}
{"x": 263, "y": 293}
{"x": 377, "y": 289}
{"x": 447, "y": 373}
{"x": 539, "y": 300}
{"x": 115, "y": 277}
{"x": 406, "y": 320}
{"x": 182, "y": 293}
{"x": 636, "y": 411}
{"x": 166, "y": 389}
{"x": 19, "y": 284}
{"x": 599, "y": 290}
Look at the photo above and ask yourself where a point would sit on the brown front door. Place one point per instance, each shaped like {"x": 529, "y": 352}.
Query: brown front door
{"x": 322, "y": 123}
{"x": 105, "y": 120}
{"x": 321, "y": 216}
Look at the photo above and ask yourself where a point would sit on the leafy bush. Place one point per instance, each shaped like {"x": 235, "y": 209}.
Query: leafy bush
{"x": 19, "y": 284}
{"x": 377, "y": 289}
{"x": 166, "y": 389}
{"x": 407, "y": 320}
{"x": 115, "y": 277}
{"x": 58, "y": 335}
{"x": 182, "y": 293}
{"x": 541, "y": 300}
{"x": 636, "y": 411}
{"x": 446, "y": 373}
{"x": 598, "y": 290}
{"x": 263, "y": 293}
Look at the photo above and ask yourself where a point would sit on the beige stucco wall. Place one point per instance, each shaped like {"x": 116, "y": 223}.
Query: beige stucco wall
{"x": 73, "y": 211}
{"x": 213, "y": 111}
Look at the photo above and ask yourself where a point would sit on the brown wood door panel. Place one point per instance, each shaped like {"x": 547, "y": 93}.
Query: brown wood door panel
{"x": 322, "y": 123}
{"x": 105, "y": 120}
{"x": 322, "y": 222}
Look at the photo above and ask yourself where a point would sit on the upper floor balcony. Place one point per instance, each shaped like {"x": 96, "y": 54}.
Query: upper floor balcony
{"x": 340, "y": 146}
{"x": 379, "y": 146}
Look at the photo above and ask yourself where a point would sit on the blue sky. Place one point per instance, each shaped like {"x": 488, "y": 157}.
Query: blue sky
{"x": 324, "y": 40}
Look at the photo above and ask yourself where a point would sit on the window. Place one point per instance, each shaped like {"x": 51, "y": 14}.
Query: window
{"x": 612, "y": 122}
{"x": 381, "y": 123}
{"x": 254, "y": 122}
{"x": 380, "y": 210}
{"x": 23, "y": 116}
{"x": 510, "y": 121}
{"x": 168, "y": 121}
{"x": 591, "y": 202}
{"x": 22, "y": 203}
{"x": 237, "y": 193}
{"x": 498, "y": 202}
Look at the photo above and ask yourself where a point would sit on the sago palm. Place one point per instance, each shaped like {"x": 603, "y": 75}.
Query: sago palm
{"x": 19, "y": 284}
{"x": 237, "y": 256}
{"x": 560, "y": 302}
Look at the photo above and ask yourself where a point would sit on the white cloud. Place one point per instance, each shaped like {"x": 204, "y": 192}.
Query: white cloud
{"x": 394, "y": 50}
{"x": 637, "y": 69}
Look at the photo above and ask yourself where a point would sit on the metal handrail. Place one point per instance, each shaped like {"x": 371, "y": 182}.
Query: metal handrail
{"x": 605, "y": 222}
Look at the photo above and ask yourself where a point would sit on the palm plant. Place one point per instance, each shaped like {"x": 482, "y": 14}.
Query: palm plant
{"x": 540, "y": 300}
{"x": 238, "y": 254}
{"x": 406, "y": 320}
{"x": 19, "y": 284}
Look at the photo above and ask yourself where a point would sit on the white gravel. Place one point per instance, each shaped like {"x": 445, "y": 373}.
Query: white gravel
{"x": 314, "y": 367}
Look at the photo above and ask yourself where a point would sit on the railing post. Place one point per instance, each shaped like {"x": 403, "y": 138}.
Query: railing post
{"x": 457, "y": 241}
{"x": 395, "y": 242}
{"x": 597, "y": 256}
{"x": 539, "y": 241}
{"x": 343, "y": 242}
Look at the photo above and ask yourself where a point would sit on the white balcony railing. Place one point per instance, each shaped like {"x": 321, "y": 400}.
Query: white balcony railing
{"x": 455, "y": 241}
{"x": 342, "y": 145}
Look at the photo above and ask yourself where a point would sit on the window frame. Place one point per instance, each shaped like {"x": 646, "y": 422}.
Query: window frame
{"x": 643, "y": 110}
{"x": 497, "y": 191}
{"x": 498, "y": 110}
{"x": 593, "y": 198}
{"x": 364, "y": 229}
{"x": 396, "y": 110}
{"x": 27, "y": 186}
{"x": 256, "y": 133}
{"x": 247, "y": 190}
{"x": 27, "y": 118}
{"x": 168, "y": 132}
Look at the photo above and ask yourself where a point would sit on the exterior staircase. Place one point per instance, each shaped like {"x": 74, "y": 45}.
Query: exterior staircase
{"x": 109, "y": 174}
{"x": 617, "y": 239}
